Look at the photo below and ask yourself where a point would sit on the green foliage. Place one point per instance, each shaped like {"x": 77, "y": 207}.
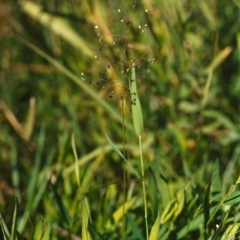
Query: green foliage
{"x": 136, "y": 105}
{"x": 65, "y": 68}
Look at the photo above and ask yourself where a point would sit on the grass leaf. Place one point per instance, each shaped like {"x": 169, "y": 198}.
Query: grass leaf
{"x": 36, "y": 168}
{"x": 62, "y": 208}
{"x": 206, "y": 207}
{"x": 76, "y": 160}
{"x": 121, "y": 155}
{"x": 85, "y": 219}
{"x": 136, "y": 231}
{"x": 155, "y": 228}
{"x": 47, "y": 232}
{"x": 222, "y": 55}
{"x": 118, "y": 214}
{"x": 30, "y": 120}
{"x": 57, "y": 24}
{"x": 14, "y": 222}
{"x": 136, "y": 106}
{"x": 233, "y": 198}
{"x": 5, "y": 230}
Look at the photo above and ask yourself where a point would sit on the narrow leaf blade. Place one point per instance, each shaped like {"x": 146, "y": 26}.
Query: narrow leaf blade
{"x": 136, "y": 106}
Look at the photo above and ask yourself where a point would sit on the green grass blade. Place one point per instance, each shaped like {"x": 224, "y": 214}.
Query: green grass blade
{"x": 136, "y": 106}
{"x": 155, "y": 228}
{"x": 41, "y": 186}
{"x": 31, "y": 190}
{"x": 222, "y": 55}
{"x": 164, "y": 186}
{"x": 85, "y": 219}
{"x": 143, "y": 186}
{"x": 76, "y": 161}
{"x": 31, "y": 229}
{"x": 206, "y": 209}
{"x": 43, "y": 180}
{"x": 114, "y": 147}
{"x": 56, "y": 24}
{"x": 118, "y": 214}
{"x": 231, "y": 232}
{"x": 14, "y": 222}
{"x": 62, "y": 208}
{"x": 36, "y": 168}
{"x": 15, "y": 172}
{"x": 233, "y": 198}
{"x": 169, "y": 211}
{"x": 19, "y": 236}
{"x": 5, "y": 230}
{"x": 38, "y": 233}
{"x": 207, "y": 89}
{"x": 136, "y": 231}
{"x": 30, "y": 120}
{"x": 216, "y": 182}
{"x": 152, "y": 192}
{"x": 236, "y": 218}
{"x": 90, "y": 156}
{"x": 47, "y": 232}
{"x": 164, "y": 232}
{"x": 193, "y": 224}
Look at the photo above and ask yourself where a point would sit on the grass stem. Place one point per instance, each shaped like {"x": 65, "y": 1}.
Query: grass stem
{"x": 143, "y": 186}
{"x": 124, "y": 168}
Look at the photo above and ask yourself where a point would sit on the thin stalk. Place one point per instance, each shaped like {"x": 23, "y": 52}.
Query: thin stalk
{"x": 124, "y": 146}
{"x": 124, "y": 168}
{"x": 143, "y": 186}
{"x": 233, "y": 187}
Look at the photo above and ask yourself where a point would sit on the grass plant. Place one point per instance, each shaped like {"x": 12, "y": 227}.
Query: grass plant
{"x": 138, "y": 127}
{"x": 79, "y": 79}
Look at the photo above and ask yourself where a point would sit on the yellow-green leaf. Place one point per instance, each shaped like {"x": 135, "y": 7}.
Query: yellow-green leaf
{"x": 118, "y": 214}
{"x": 155, "y": 228}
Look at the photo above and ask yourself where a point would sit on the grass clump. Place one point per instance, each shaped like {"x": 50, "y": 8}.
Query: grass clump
{"x": 66, "y": 84}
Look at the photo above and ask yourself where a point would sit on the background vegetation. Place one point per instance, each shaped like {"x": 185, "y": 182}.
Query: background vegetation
{"x": 53, "y": 60}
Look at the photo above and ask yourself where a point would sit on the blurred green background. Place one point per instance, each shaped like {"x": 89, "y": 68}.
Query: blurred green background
{"x": 189, "y": 88}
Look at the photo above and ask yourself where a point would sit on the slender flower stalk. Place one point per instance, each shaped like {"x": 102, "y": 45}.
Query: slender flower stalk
{"x": 143, "y": 186}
